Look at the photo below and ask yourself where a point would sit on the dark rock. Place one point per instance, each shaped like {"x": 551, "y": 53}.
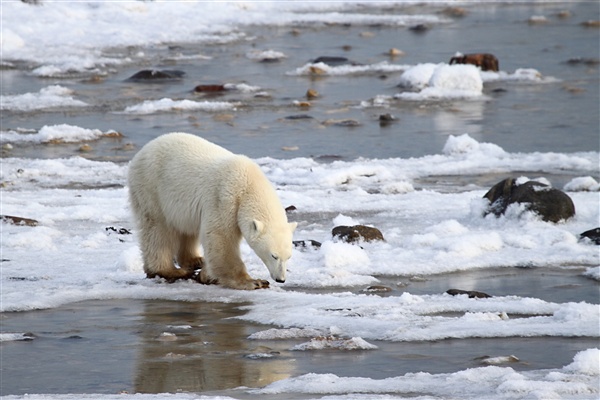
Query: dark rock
{"x": 583, "y": 61}
{"x": 119, "y": 231}
{"x": 353, "y": 234}
{"x": 155, "y": 75}
{"x": 386, "y": 119}
{"x": 298, "y": 117}
{"x": 377, "y": 288}
{"x": 306, "y": 243}
{"x": 209, "y": 88}
{"x": 550, "y": 204}
{"x": 592, "y": 234}
{"x": 11, "y": 219}
{"x": 419, "y": 28}
{"x": 471, "y": 293}
{"x": 332, "y": 61}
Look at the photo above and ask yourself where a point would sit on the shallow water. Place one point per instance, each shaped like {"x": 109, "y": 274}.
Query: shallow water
{"x": 561, "y": 116}
{"x": 109, "y": 346}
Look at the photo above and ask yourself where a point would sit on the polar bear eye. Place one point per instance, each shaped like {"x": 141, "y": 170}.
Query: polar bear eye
{"x": 274, "y": 257}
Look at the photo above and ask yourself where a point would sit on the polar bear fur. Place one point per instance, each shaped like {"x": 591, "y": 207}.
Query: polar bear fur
{"x": 185, "y": 191}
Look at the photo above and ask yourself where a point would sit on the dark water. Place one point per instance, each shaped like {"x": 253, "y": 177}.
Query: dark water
{"x": 561, "y": 116}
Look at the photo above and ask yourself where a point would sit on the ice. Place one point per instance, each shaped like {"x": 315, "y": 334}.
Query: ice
{"x": 51, "y": 97}
{"x": 427, "y": 231}
{"x": 166, "y": 104}
{"x": 63, "y": 133}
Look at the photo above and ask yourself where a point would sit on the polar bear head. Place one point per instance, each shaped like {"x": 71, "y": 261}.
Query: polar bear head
{"x": 273, "y": 244}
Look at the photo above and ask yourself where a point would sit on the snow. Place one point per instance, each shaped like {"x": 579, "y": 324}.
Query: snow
{"x": 51, "y": 97}
{"x": 165, "y": 104}
{"x": 54, "y": 133}
{"x": 427, "y": 232}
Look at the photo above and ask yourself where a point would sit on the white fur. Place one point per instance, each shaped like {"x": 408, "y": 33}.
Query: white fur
{"x": 185, "y": 190}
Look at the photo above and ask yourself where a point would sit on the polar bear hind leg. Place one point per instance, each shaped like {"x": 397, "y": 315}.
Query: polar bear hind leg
{"x": 188, "y": 257}
{"x": 159, "y": 244}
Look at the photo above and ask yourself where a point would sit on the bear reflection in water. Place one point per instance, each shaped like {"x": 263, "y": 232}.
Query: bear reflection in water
{"x": 194, "y": 347}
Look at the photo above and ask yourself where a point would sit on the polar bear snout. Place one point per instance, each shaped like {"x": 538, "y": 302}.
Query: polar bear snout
{"x": 279, "y": 280}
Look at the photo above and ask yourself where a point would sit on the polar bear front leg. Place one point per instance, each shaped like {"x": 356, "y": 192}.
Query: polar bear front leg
{"x": 224, "y": 266}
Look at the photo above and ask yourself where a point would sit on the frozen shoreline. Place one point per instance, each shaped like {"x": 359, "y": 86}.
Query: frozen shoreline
{"x": 452, "y": 132}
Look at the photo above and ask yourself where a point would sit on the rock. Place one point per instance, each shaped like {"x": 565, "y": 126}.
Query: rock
{"x": 591, "y": 24}
{"x": 306, "y": 243}
{"x": 550, "y": 204}
{"x": 341, "y": 122}
{"x": 156, "y": 75}
{"x": 583, "y": 61}
{"x": 592, "y": 234}
{"x": 312, "y": 94}
{"x": 485, "y": 61}
{"x": 471, "y": 293}
{"x": 419, "y": 28}
{"x": 209, "y": 88}
{"x": 393, "y": 52}
{"x": 353, "y": 234}
{"x": 298, "y": 117}
{"x": 386, "y": 119}
{"x": 331, "y": 61}
{"x": 377, "y": 288}
{"x": 11, "y": 219}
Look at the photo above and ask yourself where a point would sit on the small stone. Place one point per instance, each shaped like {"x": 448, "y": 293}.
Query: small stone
{"x": 367, "y": 34}
{"x": 304, "y": 104}
{"x": 341, "y": 122}
{"x": 7, "y": 146}
{"x": 156, "y": 75}
{"x": 316, "y": 70}
{"x": 85, "y": 148}
{"x": 290, "y": 148}
{"x": 306, "y": 243}
{"x": 378, "y": 288}
{"x": 591, "y": 24}
{"x": 331, "y": 60}
{"x": 393, "y": 52}
{"x": 471, "y": 293}
{"x": 312, "y": 94}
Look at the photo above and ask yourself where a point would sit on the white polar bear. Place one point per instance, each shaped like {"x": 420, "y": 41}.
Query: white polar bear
{"x": 185, "y": 190}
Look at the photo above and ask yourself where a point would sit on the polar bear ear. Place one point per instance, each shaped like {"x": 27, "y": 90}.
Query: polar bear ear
{"x": 293, "y": 226}
{"x": 258, "y": 226}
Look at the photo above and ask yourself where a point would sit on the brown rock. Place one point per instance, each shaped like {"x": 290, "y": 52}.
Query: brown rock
{"x": 11, "y": 219}
{"x": 353, "y": 234}
{"x": 209, "y": 88}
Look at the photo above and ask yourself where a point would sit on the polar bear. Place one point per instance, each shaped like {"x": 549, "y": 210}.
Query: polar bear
{"x": 185, "y": 191}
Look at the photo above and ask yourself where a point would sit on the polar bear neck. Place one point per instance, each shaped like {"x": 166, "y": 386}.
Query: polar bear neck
{"x": 258, "y": 200}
